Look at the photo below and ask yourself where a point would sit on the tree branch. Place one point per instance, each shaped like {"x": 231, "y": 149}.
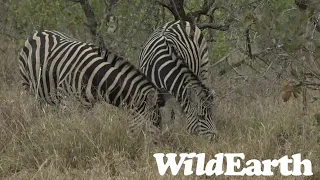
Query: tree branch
{"x": 213, "y": 26}
{"x": 91, "y": 22}
{"x": 176, "y": 7}
{"x": 206, "y": 7}
{"x": 110, "y": 4}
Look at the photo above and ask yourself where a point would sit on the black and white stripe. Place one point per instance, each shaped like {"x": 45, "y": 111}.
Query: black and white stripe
{"x": 190, "y": 44}
{"x": 53, "y": 66}
{"x": 160, "y": 62}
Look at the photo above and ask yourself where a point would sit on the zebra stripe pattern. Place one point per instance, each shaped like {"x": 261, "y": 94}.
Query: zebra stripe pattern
{"x": 160, "y": 62}
{"x": 190, "y": 44}
{"x": 53, "y": 66}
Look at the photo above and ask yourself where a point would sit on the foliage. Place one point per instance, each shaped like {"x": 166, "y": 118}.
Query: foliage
{"x": 31, "y": 15}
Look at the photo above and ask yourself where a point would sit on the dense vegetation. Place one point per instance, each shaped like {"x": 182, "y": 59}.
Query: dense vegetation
{"x": 263, "y": 54}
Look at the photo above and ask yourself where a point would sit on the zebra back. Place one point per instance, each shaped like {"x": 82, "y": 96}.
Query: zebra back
{"x": 189, "y": 43}
{"x": 54, "y": 65}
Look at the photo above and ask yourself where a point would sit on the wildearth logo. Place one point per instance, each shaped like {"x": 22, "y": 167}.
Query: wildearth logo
{"x": 252, "y": 167}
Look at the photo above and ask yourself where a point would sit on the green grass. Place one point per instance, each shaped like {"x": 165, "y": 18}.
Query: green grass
{"x": 46, "y": 143}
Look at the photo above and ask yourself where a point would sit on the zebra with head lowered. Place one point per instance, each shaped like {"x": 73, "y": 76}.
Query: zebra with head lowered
{"x": 53, "y": 65}
{"x": 163, "y": 65}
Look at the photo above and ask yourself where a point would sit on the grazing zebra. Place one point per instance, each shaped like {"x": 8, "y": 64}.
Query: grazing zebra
{"x": 190, "y": 44}
{"x": 159, "y": 61}
{"x": 53, "y": 65}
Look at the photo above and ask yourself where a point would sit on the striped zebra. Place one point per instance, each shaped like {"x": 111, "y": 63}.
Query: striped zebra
{"x": 190, "y": 44}
{"x": 54, "y": 65}
{"x": 160, "y": 62}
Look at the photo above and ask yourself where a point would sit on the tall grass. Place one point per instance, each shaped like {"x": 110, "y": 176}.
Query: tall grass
{"x": 46, "y": 143}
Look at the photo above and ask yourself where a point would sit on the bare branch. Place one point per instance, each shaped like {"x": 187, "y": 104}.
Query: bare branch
{"x": 91, "y": 21}
{"x": 213, "y": 26}
{"x": 75, "y": 1}
{"x": 206, "y": 6}
{"x": 176, "y": 7}
{"x": 110, "y": 4}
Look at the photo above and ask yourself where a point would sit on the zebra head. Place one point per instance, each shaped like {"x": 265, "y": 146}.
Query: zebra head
{"x": 200, "y": 116}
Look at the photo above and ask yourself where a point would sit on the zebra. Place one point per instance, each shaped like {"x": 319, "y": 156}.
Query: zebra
{"x": 189, "y": 43}
{"x": 169, "y": 72}
{"x": 53, "y": 66}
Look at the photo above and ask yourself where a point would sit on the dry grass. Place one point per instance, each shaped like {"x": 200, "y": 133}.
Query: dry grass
{"x": 45, "y": 143}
